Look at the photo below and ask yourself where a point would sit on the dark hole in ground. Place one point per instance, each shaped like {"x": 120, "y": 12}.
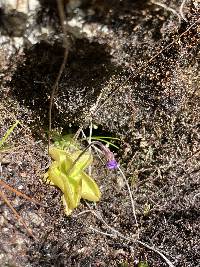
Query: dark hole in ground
{"x": 89, "y": 66}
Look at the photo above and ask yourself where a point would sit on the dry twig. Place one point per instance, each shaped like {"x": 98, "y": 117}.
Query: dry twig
{"x": 5, "y": 199}
{"x": 18, "y": 193}
{"x": 7, "y": 202}
{"x": 66, "y": 46}
{"x": 131, "y": 198}
{"x": 116, "y": 234}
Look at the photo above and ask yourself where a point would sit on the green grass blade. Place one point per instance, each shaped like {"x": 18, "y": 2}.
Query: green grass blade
{"x": 106, "y": 141}
{"x": 8, "y": 133}
{"x": 105, "y": 137}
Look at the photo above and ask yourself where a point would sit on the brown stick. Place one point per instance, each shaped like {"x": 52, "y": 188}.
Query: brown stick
{"x": 18, "y": 193}
{"x": 66, "y": 45}
{"x": 19, "y": 219}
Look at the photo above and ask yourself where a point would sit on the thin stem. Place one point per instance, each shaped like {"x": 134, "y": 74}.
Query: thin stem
{"x": 181, "y": 10}
{"x": 66, "y": 52}
{"x": 131, "y": 197}
{"x": 102, "y": 233}
{"x": 156, "y": 251}
{"x": 89, "y": 142}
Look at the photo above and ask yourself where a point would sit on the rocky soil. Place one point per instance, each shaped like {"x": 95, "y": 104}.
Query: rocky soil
{"x": 133, "y": 71}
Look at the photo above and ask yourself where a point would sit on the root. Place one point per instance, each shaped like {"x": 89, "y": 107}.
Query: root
{"x": 18, "y": 217}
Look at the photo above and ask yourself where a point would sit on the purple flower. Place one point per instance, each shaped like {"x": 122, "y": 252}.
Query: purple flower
{"x": 112, "y": 164}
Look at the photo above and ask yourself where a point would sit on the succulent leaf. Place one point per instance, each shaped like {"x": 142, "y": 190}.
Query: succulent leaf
{"x": 67, "y": 173}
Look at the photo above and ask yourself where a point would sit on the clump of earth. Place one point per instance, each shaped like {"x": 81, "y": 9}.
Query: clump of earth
{"x": 133, "y": 71}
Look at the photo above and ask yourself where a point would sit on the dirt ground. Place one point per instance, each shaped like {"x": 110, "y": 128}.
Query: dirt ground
{"x": 132, "y": 70}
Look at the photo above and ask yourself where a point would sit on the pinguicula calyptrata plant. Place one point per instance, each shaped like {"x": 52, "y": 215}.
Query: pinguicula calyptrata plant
{"x": 67, "y": 171}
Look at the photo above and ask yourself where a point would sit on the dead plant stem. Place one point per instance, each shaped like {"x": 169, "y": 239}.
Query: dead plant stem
{"x": 18, "y": 193}
{"x": 118, "y": 234}
{"x": 7, "y": 202}
{"x": 131, "y": 198}
{"x": 181, "y": 10}
{"x": 66, "y": 51}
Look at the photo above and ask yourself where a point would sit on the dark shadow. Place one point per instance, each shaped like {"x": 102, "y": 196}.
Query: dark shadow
{"x": 88, "y": 67}
{"x": 48, "y": 13}
{"x": 12, "y": 23}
